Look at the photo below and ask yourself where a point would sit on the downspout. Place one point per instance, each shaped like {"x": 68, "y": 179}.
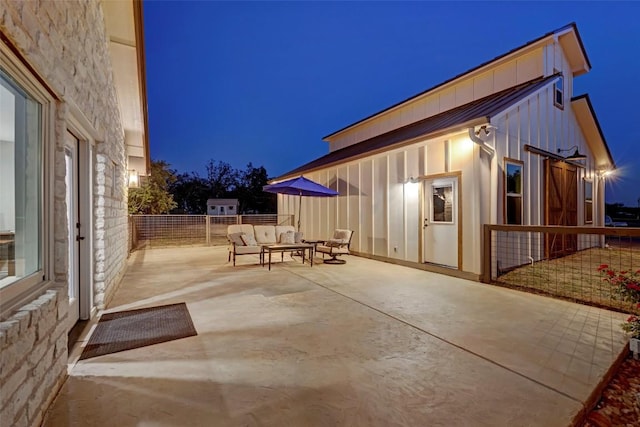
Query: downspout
{"x": 489, "y": 130}
{"x": 487, "y": 148}
{"x": 492, "y": 164}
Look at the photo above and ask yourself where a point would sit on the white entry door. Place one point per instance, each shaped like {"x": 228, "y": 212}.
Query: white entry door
{"x": 440, "y": 221}
{"x": 73, "y": 225}
{"x": 78, "y": 164}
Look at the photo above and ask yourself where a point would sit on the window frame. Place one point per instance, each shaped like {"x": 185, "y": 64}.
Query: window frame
{"x": 21, "y": 291}
{"x": 506, "y": 194}
{"x": 589, "y": 201}
{"x": 558, "y": 91}
{"x": 432, "y": 213}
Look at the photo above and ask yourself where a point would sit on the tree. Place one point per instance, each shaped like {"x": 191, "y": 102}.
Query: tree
{"x": 251, "y": 197}
{"x": 153, "y": 197}
{"x": 191, "y": 192}
{"x": 222, "y": 179}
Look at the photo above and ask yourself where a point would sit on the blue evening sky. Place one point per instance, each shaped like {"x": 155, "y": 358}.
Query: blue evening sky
{"x": 263, "y": 82}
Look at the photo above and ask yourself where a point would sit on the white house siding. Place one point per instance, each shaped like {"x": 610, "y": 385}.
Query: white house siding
{"x": 479, "y": 84}
{"x": 65, "y": 43}
{"x": 384, "y": 212}
{"x": 537, "y": 122}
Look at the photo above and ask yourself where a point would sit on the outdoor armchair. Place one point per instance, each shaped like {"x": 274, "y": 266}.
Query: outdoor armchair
{"x": 338, "y": 245}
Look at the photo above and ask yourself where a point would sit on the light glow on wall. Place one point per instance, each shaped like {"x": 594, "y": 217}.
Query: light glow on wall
{"x": 462, "y": 147}
{"x": 411, "y": 186}
{"x": 134, "y": 178}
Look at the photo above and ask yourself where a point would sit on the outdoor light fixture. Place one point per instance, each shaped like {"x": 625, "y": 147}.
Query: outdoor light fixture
{"x": 603, "y": 173}
{"x": 134, "y": 178}
{"x": 412, "y": 180}
{"x": 486, "y": 129}
{"x": 576, "y": 154}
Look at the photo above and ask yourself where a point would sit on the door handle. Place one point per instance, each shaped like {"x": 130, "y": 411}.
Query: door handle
{"x": 78, "y": 238}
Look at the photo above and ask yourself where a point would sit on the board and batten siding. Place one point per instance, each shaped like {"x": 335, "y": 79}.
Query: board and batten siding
{"x": 538, "y": 122}
{"x": 514, "y": 71}
{"x": 384, "y": 212}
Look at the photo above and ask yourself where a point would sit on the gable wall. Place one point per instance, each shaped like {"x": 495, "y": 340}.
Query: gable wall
{"x": 517, "y": 70}
{"x": 538, "y": 122}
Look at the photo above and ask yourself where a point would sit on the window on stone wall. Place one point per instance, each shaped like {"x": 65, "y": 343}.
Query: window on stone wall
{"x": 25, "y": 115}
{"x": 513, "y": 191}
{"x": 588, "y": 201}
{"x": 20, "y": 183}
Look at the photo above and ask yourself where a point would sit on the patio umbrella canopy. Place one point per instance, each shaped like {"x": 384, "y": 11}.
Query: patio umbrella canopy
{"x": 300, "y": 186}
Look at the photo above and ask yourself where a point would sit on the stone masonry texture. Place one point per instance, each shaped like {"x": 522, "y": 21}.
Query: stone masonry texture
{"x": 65, "y": 42}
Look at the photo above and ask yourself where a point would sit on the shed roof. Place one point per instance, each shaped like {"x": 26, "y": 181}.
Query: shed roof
{"x": 474, "y": 113}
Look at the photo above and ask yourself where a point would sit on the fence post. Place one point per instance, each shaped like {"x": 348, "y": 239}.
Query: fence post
{"x": 208, "y": 229}
{"x": 486, "y": 255}
{"x": 238, "y": 219}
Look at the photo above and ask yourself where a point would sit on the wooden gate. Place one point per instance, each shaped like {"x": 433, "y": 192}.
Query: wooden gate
{"x": 561, "y": 206}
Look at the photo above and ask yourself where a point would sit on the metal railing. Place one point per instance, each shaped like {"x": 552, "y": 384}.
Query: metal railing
{"x": 191, "y": 230}
{"x": 592, "y": 265}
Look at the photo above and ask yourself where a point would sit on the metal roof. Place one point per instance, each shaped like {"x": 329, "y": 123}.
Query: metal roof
{"x": 570, "y": 26}
{"x": 483, "y": 108}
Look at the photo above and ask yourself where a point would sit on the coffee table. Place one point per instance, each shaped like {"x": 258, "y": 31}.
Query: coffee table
{"x": 293, "y": 247}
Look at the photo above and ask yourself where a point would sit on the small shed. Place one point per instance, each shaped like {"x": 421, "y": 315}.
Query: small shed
{"x": 222, "y": 207}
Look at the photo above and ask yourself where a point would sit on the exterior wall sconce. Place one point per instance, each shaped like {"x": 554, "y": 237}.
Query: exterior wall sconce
{"x": 412, "y": 180}
{"x": 134, "y": 178}
{"x": 602, "y": 174}
{"x": 576, "y": 154}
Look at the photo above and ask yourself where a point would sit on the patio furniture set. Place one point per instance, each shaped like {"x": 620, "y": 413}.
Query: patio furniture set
{"x": 247, "y": 239}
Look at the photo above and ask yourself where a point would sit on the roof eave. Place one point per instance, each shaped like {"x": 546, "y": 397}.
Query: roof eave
{"x": 579, "y": 104}
{"x": 462, "y": 127}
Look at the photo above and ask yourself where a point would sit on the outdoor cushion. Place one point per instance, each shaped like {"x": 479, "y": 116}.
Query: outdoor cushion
{"x": 265, "y": 234}
{"x": 249, "y": 240}
{"x": 332, "y": 249}
{"x": 283, "y": 229}
{"x": 240, "y": 228}
{"x": 341, "y": 235}
{"x": 243, "y": 250}
{"x": 236, "y": 238}
{"x": 335, "y": 243}
{"x": 288, "y": 238}
{"x": 298, "y": 237}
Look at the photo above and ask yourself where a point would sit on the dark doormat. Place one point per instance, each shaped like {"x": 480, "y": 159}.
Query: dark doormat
{"x": 125, "y": 330}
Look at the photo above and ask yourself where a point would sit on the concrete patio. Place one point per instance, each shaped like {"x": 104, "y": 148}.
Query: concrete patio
{"x": 366, "y": 343}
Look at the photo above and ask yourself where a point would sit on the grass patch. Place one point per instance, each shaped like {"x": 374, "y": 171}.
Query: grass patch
{"x": 576, "y": 277}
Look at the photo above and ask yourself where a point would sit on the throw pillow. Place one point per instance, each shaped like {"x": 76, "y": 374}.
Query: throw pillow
{"x": 298, "y": 237}
{"x": 236, "y": 238}
{"x": 249, "y": 240}
{"x": 288, "y": 238}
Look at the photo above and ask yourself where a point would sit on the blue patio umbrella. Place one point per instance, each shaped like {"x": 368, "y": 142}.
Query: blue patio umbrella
{"x": 300, "y": 186}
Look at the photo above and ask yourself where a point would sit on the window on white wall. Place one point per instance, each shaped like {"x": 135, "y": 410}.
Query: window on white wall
{"x": 558, "y": 92}
{"x": 588, "y": 201}
{"x": 513, "y": 191}
{"x": 21, "y": 189}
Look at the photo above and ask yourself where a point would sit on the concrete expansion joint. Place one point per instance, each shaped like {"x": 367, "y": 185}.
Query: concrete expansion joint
{"x": 444, "y": 340}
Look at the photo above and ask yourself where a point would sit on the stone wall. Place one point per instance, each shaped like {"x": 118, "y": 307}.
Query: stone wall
{"x": 33, "y": 358}
{"x": 65, "y": 43}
